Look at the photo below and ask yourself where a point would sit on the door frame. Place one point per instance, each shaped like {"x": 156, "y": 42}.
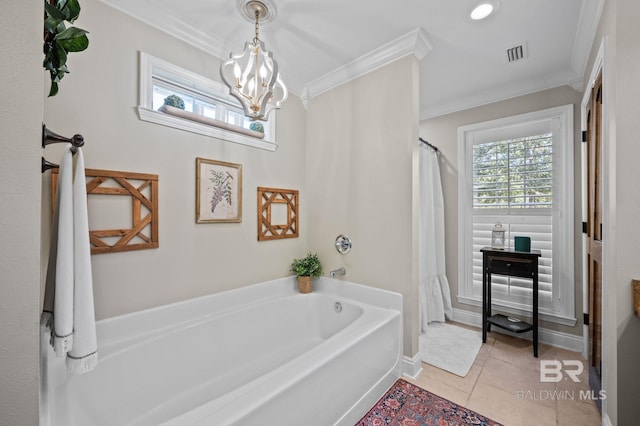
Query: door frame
{"x": 599, "y": 66}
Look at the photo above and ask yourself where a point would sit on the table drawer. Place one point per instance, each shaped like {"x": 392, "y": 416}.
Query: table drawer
{"x": 518, "y": 267}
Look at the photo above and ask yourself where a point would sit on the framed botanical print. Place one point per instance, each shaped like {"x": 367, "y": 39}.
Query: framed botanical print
{"x": 218, "y": 191}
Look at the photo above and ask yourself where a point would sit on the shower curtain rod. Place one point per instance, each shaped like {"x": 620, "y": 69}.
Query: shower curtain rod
{"x": 435, "y": 148}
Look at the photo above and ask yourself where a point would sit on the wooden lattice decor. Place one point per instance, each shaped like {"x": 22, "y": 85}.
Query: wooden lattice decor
{"x": 268, "y": 226}
{"x": 142, "y": 191}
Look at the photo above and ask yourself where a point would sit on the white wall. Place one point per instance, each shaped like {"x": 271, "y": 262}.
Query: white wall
{"x": 362, "y": 143}
{"x": 98, "y": 100}
{"x": 20, "y": 121}
{"x": 442, "y": 132}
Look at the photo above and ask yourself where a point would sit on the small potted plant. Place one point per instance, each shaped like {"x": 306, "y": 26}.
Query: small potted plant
{"x": 306, "y": 268}
{"x": 174, "y": 101}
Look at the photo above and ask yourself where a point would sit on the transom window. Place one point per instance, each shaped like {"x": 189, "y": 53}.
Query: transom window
{"x": 210, "y": 110}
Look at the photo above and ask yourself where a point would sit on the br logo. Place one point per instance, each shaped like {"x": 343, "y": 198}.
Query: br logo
{"x": 551, "y": 371}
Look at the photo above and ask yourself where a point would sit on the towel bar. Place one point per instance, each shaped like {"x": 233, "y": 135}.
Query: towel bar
{"x": 49, "y": 137}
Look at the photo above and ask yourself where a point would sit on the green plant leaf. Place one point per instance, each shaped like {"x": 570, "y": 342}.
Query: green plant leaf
{"x": 54, "y": 11}
{"x": 51, "y": 23}
{"x": 71, "y": 10}
{"x": 54, "y": 89}
{"x": 77, "y": 44}
{"x": 69, "y": 33}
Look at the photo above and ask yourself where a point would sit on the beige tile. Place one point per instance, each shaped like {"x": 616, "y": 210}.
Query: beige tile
{"x": 485, "y": 352}
{"x": 519, "y": 352}
{"x": 517, "y": 380}
{"x": 443, "y": 390}
{"x": 508, "y": 408}
{"x": 575, "y": 412}
{"x": 504, "y": 385}
{"x": 465, "y": 384}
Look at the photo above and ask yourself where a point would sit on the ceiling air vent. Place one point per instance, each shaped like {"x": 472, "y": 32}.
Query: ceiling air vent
{"x": 517, "y": 52}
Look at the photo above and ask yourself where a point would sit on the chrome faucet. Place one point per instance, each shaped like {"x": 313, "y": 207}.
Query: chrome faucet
{"x": 339, "y": 271}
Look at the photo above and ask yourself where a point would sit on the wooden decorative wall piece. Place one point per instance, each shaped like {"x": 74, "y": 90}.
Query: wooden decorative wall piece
{"x": 143, "y": 192}
{"x": 268, "y": 198}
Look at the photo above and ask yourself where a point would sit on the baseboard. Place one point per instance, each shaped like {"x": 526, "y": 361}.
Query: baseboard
{"x": 558, "y": 339}
{"x": 411, "y": 367}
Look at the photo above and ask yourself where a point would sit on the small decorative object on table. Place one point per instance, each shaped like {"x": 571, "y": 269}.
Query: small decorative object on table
{"x": 522, "y": 243}
{"x": 306, "y": 268}
{"x": 497, "y": 237}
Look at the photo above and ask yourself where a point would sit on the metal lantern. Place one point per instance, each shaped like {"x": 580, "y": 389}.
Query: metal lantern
{"x": 497, "y": 237}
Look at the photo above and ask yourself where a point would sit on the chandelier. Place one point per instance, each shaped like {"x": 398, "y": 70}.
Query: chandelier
{"x": 252, "y": 75}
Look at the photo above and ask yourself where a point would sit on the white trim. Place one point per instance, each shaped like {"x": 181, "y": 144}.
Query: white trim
{"x": 590, "y": 14}
{"x": 561, "y": 118}
{"x": 163, "y": 20}
{"x": 606, "y": 421}
{"x": 412, "y": 367}
{"x": 515, "y": 308}
{"x": 169, "y": 120}
{"x": 558, "y": 339}
{"x": 598, "y": 66}
{"x": 415, "y": 42}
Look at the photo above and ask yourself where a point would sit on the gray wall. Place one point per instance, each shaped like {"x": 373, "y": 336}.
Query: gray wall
{"x": 20, "y": 121}
{"x": 628, "y": 207}
{"x": 621, "y": 346}
{"x": 442, "y": 132}
{"x": 361, "y": 180}
{"x": 98, "y": 100}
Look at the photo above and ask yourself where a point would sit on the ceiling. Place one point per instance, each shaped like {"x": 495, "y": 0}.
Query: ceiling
{"x": 320, "y": 44}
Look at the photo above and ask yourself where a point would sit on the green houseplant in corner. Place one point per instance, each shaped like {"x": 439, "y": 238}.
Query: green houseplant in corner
{"x": 305, "y": 268}
{"x": 59, "y": 40}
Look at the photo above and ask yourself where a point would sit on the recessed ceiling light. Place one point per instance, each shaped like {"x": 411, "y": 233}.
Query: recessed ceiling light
{"x": 482, "y": 11}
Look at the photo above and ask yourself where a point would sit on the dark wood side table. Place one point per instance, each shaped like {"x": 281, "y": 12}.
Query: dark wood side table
{"x": 516, "y": 264}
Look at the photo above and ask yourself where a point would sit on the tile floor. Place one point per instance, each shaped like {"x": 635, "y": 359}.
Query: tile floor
{"x": 504, "y": 385}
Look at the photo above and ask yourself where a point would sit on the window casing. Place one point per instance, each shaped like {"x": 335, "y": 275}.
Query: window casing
{"x": 202, "y": 96}
{"x": 519, "y": 171}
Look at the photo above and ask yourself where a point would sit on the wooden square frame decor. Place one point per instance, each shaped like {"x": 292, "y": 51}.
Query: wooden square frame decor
{"x": 267, "y": 197}
{"x": 143, "y": 233}
{"x": 218, "y": 191}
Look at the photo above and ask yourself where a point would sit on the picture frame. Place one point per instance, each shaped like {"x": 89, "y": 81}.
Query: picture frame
{"x": 218, "y": 191}
{"x": 274, "y": 226}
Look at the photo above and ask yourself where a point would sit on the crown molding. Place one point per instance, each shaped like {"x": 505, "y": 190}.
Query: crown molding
{"x": 501, "y": 93}
{"x": 415, "y": 42}
{"x": 164, "y": 21}
{"x": 588, "y": 21}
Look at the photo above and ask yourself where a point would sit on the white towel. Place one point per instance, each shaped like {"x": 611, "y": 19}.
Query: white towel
{"x": 83, "y": 356}
{"x": 58, "y": 303}
{"x": 68, "y": 305}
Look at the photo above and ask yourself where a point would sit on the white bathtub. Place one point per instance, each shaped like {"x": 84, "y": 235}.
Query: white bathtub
{"x": 259, "y": 355}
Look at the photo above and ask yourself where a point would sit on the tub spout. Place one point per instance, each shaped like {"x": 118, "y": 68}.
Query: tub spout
{"x": 339, "y": 271}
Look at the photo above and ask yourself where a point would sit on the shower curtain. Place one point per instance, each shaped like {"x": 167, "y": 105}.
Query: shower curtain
{"x": 434, "y": 293}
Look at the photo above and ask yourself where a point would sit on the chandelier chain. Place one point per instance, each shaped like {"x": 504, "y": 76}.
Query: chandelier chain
{"x": 257, "y": 39}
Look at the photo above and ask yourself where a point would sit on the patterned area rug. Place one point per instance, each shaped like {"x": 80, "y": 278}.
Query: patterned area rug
{"x": 409, "y": 405}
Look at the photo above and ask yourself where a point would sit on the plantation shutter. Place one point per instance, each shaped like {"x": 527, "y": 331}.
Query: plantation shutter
{"x": 513, "y": 185}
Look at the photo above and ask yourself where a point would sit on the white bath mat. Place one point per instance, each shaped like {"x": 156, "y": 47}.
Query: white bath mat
{"x": 450, "y": 347}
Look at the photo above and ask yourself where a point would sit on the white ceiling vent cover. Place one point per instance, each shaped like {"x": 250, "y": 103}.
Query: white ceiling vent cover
{"x": 517, "y": 52}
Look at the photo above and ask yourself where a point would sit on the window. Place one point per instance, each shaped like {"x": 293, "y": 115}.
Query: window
{"x": 519, "y": 171}
{"x": 212, "y": 110}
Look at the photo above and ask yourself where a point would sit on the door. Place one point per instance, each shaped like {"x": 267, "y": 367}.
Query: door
{"x": 594, "y": 233}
